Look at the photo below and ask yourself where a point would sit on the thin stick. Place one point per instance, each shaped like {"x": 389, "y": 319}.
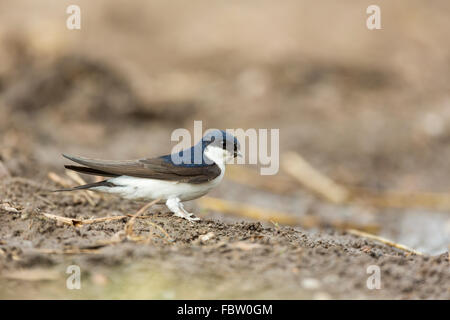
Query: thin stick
{"x": 96, "y": 220}
{"x": 384, "y": 241}
{"x": 75, "y": 177}
{"x": 88, "y": 194}
{"x": 8, "y": 208}
{"x": 308, "y": 176}
{"x": 252, "y": 212}
{"x": 79, "y": 222}
{"x": 69, "y": 221}
{"x": 67, "y": 251}
{"x": 129, "y": 226}
{"x": 78, "y": 179}
{"x": 169, "y": 238}
{"x": 58, "y": 180}
{"x": 31, "y": 274}
{"x": 277, "y": 217}
{"x": 398, "y": 199}
{"x": 312, "y": 179}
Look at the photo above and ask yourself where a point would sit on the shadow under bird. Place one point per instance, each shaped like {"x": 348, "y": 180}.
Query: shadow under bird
{"x": 186, "y": 175}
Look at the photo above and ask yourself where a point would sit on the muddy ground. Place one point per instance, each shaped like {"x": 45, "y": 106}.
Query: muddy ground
{"x": 369, "y": 110}
{"x": 208, "y": 259}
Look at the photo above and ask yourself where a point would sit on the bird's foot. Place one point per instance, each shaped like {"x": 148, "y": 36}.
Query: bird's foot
{"x": 175, "y": 205}
{"x": 187, "y": 216}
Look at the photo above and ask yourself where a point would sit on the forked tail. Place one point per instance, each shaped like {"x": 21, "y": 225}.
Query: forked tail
{"x": 103, "y": 183}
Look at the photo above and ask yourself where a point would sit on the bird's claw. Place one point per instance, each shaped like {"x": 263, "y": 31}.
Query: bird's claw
{"x": 187, "y": 216}
{"x": 175, "y": 205}
{"x": 193, "y": 219}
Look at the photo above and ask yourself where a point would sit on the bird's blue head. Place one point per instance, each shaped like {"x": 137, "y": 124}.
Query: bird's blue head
{"x": 216, "y": 145}
{"x": 221, "y": 139}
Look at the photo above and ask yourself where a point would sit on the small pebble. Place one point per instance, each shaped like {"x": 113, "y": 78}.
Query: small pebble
{"x": 310, "y": 283}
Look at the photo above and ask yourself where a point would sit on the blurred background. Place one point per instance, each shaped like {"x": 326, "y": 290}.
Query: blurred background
{"x": 370, "y": 109}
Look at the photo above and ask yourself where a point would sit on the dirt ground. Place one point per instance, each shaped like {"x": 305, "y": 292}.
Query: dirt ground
{"x": 208, "y": 259}
{"x": 370, "y": 110}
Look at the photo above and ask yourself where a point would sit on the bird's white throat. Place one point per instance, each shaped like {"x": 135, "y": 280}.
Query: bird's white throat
{"x": 218, "y": 155}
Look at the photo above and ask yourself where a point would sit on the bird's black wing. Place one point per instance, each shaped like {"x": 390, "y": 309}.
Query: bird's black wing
{"x": 154, "y": 168}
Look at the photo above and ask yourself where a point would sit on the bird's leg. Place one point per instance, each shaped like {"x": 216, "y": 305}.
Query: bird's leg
{"x": 181, "y": 206}
{"x": 175, "y": 205}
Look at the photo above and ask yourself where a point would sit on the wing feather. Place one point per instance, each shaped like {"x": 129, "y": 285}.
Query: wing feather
{"x": 154, "y": 168}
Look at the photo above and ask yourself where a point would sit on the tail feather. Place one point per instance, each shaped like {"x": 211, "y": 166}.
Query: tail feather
{"x": 104, "y": 183}
{"x": 92, "y": 171}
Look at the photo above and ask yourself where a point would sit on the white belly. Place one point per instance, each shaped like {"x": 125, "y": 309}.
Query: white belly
{"x": 151, "y": 189}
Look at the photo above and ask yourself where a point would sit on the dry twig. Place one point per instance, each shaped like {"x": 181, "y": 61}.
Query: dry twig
{"x": 164, "y": 232}
{"x": 31, "y": 275}
{"x": 67, "y": 251}
{"x": 384, "y": 241}
{"x": 397, "y": 199}
{"x": 79, "y": 222}
{"x": 243, "y": 210}
{"x": 66, "y": 184}
{"x": 129, "y": 226}
{"x": 312, "y": 179}
{"x": 89, "y": 195}
{"x": 8, "y": 207}
{"x": 59, "y": 180}
{"x": 277, "y": 217}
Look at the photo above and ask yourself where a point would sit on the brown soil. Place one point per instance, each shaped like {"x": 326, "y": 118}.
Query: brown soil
{"x": 239, "y": 260}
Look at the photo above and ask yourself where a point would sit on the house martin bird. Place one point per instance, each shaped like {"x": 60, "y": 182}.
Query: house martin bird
{"x": 174, "y": 178}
